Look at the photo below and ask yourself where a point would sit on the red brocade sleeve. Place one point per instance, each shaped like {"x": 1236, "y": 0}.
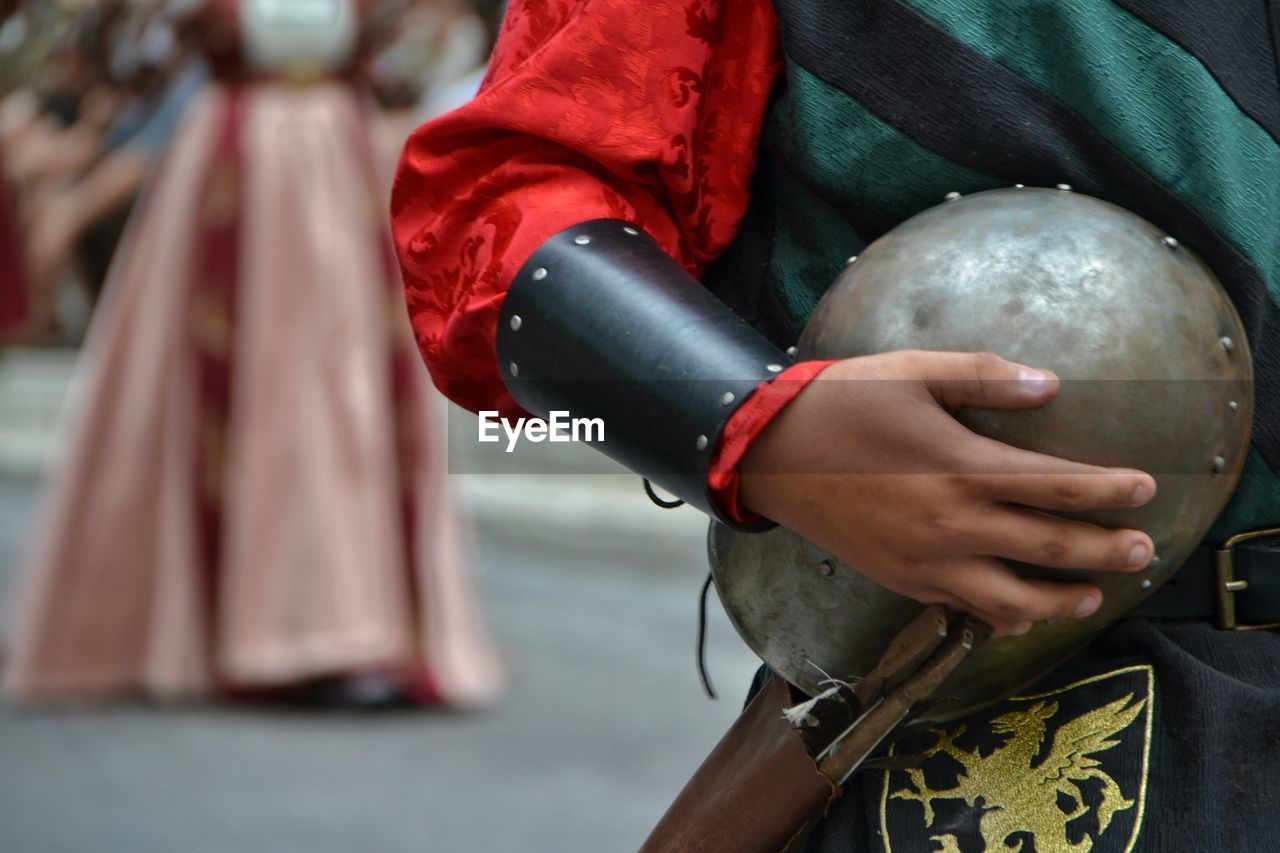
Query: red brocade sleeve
{"x": 623, "y": 109}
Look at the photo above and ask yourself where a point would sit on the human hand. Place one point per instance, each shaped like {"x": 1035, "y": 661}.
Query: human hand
{"x": 870, "y": 464}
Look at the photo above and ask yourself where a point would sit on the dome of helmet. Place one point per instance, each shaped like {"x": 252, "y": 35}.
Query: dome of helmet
{"x": 1156, "y": 375}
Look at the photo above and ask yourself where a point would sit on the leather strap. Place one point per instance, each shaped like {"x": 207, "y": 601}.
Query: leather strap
{"x": 601, "y": 323}
{"x": 1192, "y": 593}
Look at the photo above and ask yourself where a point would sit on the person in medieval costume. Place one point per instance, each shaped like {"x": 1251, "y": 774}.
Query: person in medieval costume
{"x": 759, "y": 145}
{"x": 252, "y": 502}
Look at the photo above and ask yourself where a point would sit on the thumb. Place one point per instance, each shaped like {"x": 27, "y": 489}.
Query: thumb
{"x": 983, "y": 380}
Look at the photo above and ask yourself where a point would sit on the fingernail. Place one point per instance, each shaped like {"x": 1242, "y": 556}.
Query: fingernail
{"x": 1020, "y": 629}
{"x": 1141, "y": 494}
{"x": 1087, "y": 606}
{"x": 1033, "y": 381}
{"x": 1139, "y": 556}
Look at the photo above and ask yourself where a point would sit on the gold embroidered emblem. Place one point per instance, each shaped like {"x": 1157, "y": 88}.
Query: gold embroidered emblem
{"x": 1045, "y": 773}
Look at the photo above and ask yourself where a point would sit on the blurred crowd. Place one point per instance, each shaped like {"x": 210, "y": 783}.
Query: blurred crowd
{"x": 91, "y": 92}
{"x": 251, "y": 501}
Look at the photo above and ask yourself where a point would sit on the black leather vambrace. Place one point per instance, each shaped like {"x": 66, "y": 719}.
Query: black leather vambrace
{"x": 601, "y": 323}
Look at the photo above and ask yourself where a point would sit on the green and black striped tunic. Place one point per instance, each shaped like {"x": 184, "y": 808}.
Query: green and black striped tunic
{"x": 1170, "y": 108}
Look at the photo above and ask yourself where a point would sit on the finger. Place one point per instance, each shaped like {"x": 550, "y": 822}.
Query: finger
{"x": 1032, "y": 537}
{"x": 1090, "y": 488}
{"x": 1000, "y": 626}
{"x": 989, "y": 586}
{"x": 982, "y": 380}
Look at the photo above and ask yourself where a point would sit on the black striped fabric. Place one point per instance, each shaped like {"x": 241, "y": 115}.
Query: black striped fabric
{"x": 890, "y": 104}
{"x": 974, "y": 112}
{"x": 1235, "y": 42}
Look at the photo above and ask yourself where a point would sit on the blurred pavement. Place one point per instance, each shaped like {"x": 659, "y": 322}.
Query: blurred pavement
{"x": 592, "y": 594}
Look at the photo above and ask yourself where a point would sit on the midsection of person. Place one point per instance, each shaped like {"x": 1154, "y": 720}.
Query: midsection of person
{"x": 883, "y": 108}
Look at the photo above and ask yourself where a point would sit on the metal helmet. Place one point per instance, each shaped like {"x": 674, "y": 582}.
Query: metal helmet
{"x": 1156, "y": 376}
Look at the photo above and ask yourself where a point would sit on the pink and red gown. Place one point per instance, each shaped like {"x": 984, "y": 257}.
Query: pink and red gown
{"x": 253, "y": 493}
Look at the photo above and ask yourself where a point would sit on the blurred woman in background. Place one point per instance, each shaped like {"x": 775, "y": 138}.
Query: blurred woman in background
{"x": 250, "y": 504}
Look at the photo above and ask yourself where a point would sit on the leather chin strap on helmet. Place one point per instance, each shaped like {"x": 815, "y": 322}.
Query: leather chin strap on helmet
{"x": 601, "y": 323}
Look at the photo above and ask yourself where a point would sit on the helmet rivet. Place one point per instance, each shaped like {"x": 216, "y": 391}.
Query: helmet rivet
{"x": 953, "y": 196}
{"x": 773, "y": 368}
{"x": 1233, "y": 406}
{"x": 1171, "y": 242}
{"x": 852, "y": 258}
{"x": 582, "y": 239}
{"x": 1146, "y": 583}
{"x": 1066, "y": 188}
{"x": 540, "y": 273}
{"x": 827, "y": 568}
{"x": 1155, "y": 560}
{"x": 1019, "y": 186}
{"x": 1227, "y": 343}
{"x": 702, "y": 442}
{"x": 514, "y": 368}
{"x": 1219, "y": 463}
{"x": 791, "y": 351}
{"x": 727, "y": 398}
{"x": 515, "y": 322}
{"x": 633, "y": 232}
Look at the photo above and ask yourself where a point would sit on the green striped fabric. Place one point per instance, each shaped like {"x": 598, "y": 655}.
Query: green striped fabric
{"x": 1160, "y": 106}
{"x": 829, "y": 161}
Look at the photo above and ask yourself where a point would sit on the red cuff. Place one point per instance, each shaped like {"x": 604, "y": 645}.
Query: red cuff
{"x": 756, "y": 413}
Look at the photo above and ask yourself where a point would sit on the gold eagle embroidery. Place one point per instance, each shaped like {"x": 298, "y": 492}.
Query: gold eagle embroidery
{"x": 1019, "y": 796}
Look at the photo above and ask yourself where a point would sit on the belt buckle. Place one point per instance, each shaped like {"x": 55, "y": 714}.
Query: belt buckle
{"x": 1228, "y": 585}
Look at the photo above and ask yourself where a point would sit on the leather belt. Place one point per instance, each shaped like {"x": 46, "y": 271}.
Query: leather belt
{"x": 1236, "y": 585}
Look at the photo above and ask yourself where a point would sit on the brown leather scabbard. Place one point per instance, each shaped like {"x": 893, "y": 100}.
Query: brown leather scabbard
{"x": 755, "y": 792}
